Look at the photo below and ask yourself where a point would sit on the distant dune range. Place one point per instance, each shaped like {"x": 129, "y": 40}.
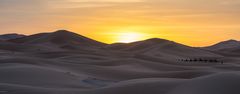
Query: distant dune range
{"x": 63, "y": 62}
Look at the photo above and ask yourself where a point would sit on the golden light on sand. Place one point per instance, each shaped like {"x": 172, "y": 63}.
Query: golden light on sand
{"x": 129, "y": 36}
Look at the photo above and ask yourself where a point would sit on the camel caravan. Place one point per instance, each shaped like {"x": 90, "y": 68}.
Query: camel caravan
{"x": 202, "y": 60}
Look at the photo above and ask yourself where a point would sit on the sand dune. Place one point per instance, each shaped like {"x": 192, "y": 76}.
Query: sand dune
{"x": 10, "y": 36}
{"x": 229, "y": 44}
{"x": 39, "y": 64}
{"x": 162, "y": 48}
{"x": 223, "y": 83}
{"x": 229, "y": 48}
{"x": 59, "y": 39}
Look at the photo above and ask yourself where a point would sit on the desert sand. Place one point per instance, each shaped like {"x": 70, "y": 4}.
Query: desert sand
{"x": 63, "y": 62}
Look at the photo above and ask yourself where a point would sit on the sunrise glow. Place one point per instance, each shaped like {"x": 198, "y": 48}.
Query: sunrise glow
{"x": 129, "y": 36}
{"x": 190, "y": 22}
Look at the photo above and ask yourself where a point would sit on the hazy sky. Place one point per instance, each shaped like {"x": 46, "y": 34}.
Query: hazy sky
{"x": 192, "y": 22}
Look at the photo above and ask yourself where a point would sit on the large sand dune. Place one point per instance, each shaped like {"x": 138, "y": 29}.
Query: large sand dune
{"x": 39, "y": 64}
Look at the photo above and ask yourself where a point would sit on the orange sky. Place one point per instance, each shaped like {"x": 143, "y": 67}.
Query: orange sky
{"x": 191, "y": 22}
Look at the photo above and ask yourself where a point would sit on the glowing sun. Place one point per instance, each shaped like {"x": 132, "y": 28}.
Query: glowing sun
{"x": 129, "y": 36}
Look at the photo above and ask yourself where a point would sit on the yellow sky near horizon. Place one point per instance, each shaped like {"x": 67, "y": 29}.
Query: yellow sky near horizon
{"x": 191, "y": 22}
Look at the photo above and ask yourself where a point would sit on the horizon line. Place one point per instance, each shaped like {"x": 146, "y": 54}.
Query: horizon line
{"x": 118, "y": 42}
